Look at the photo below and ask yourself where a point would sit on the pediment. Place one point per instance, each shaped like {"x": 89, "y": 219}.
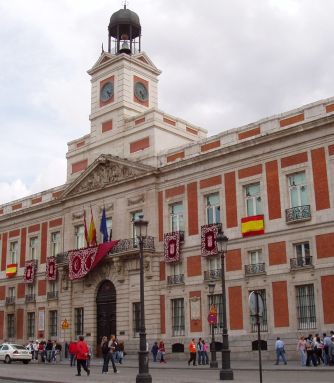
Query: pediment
{"x": 104, "y": 57}
{"x": 105, "y": 171}
{"x": 142, "y": 56}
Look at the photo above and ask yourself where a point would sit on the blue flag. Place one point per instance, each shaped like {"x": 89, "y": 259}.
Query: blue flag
{"x": 103, "y": 226}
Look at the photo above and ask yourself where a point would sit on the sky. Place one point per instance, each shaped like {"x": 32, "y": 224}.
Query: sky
{"x": 225, "y": 63}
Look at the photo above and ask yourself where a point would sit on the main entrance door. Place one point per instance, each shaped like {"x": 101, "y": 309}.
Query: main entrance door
{"x": 106, "y": 311}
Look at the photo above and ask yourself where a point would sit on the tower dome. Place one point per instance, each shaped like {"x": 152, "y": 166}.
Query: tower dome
{"x": 125, "y": 28}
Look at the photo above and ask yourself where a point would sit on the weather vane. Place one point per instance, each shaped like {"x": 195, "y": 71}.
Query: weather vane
{"x": 125, "y": 3}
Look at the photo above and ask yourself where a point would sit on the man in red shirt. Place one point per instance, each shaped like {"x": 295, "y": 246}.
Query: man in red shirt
{"x": 82, "y": 356}
{"x": 72, "y": 349}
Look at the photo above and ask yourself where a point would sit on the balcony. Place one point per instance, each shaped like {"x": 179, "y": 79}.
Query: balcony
{"x": 211, "y": 275}
{"x": 175, "y": 279}
{"x": 298, "y": 214}
{"x": 123, "y": 246}
{"x": 255, "y": 269}
{"x": 10, "y": 300}
{"x": 30, "y": 298}
{"x": 51, "y": 295}
{"x": 301, "y": 263}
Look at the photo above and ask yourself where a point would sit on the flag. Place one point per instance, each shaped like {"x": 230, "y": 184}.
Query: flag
{"x": 103, "y": 226}
{"x": 252, "y": 225}
{"x": 86, "y": 231}
{"x": 11, "y": 270}
{"x": 92, "y": 231}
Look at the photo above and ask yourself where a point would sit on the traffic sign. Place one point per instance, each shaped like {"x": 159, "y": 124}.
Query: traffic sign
{"x": 212, "y": 318}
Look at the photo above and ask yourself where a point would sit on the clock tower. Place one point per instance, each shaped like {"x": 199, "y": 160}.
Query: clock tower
{"x": 125, "y": 119}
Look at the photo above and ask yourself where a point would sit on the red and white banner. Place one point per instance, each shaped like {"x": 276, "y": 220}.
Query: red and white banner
{"x": 208, "y": 239}
{"x": 82, "y": 261}
{"x": 172, "y": 247}
{"x": 30, "y": 271}
{"x": 51, "y": 269}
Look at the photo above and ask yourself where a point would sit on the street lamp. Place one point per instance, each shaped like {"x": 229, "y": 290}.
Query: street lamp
{"x": 143, "y": 375}
{"x": 226, "y": 373}
{"x": 213, "y": 361}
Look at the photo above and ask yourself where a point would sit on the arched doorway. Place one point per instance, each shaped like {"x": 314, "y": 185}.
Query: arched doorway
{"x": 105, "y": 311}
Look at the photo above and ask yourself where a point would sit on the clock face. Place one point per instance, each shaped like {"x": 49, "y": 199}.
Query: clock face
{"x": 107, "y": 91}
{"x": 141, "y": 91}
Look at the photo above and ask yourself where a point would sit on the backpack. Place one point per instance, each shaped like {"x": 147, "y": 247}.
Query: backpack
{"x": 105, "y": 348}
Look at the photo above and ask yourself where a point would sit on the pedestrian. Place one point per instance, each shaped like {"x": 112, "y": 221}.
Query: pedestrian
{"x": 310, "y": 352}
{"x": 200, "y": 351}
{"x": 48, "y": 349}
{"x": 90, "y": 353}
{"x": 327, "y": 341}
{"x": 162, "y": 352}
{"x": 82, "y": 356}
{"x": 301, "y": 348}
{"x": 30, "y": 347}
{"x": 120, "y": 352}
{"x": 41, "y": 350}
{"x": 36, "y": 344}
{"x": 205, "y": 352}
{"x": 280, "y": 351}
{"x": 331, "y": 351}
{"x": 105, "y": 354}
{"x": 112, "y": 349}
{"x": 318, "y": 350}
{"x": 72, "y": 349}
{"x": 154, "y": 351}
{"x": 58, "y": 351}
{"x": 192, "y": 350}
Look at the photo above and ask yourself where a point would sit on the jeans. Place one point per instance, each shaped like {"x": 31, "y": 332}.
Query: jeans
{"x": 83, "y": 363}
{"x": 302, "y": 355}
{"x": 280, "y": 353}
{"x": 106, "y": 360}
{"x": 72, "y": 359}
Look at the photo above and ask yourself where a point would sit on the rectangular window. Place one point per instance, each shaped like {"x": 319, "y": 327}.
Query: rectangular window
{"x": 53, "y": 322}
{"x": 136, "y": 318}
{"x": 264, "y": 317}
{"x": 253, "y": 202}
{"x": 176, "y": 217}
{"x": 212, "y": 208}
{"x": 31, "y": 325}
{"x": 13, "y": 252}
{"x": 10, "y": 326}
{"x": 217, "y": 301}
{"x": 306, "y": 314}
{"x": 298, "y": 189}
{"x": 214, "y": 263}
{"x": 79, "y": 232}
{"x": 55, "y": 243}
{"x": 11, "y": 292}
{"x": 255, "y": 257}
{"x": 302, "y": 253}
{"x": 33, "y": 248}
{"x": 178, "y": 317}
{"x": 30, "y": 289}
{"x": 176, "y": 274}
{"x": 79, "y": 321}
{"x": 109, "y": 228}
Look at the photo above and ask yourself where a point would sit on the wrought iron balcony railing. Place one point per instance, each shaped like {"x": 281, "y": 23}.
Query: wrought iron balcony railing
{"x": 210, "y": 275}
{"x": 10, "y": 300}
{"x": 30, "y": 298}
{"x": 298, "y": 213}
{"x": 255, "y": 268}
{"x": 300, "y": 262}
{"x": 123, "y": 245}
{"x": 52, "y": 295}
{"x": 175, "y": 279}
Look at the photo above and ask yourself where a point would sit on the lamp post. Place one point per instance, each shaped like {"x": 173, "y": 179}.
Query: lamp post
{"x": 226, "y": 373}
{"x": 143, "y": 375}
{"x": 213, "y": 361}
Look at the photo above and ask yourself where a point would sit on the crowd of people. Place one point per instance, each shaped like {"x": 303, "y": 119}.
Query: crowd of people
{"x": 316, "y": 350}
{"x": 199, "y": 350}
{"x": 45, "y": 351}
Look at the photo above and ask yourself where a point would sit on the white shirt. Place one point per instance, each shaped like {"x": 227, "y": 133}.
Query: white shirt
{"x": 279, "y": 344}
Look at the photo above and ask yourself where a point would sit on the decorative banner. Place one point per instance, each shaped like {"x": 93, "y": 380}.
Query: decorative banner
{"x": 51, "y": 269}
{"x": 172, "y": 246}
{"x": 208, "y": 239}
{"x": 253, "y": 225}
{"x": 41, "y": 320}
{"x": 30, "y": 271}
{"x": 82, "y": 261}
{"x": 11, "y": 270}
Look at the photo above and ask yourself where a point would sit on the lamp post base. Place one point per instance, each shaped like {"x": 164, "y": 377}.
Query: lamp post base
{"x": 143, "y": 378}
{"x": 226, "y": 374}
{"x": 213, "y": 364}
{"x": 143, "y": 375}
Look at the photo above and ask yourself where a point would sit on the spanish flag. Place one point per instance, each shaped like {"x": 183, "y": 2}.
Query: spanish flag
{"x": 92, "y": 231}
{"x": 11, "y": 270}
{"x": 253, "y": 225}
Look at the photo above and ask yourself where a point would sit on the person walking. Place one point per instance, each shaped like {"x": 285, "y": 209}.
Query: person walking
{"x": 36, "y": 349}
{"x": 72, "y": 349}
{"x": 301, "y": 348}
{"x": 200, "y": 351}
{"x": 327, "y": 341}
{"x": 112, "y": 350}
{"x": 48, "y": 349}
{"x": 162, "y": 352}
{"x": 120, "y": 352}
{"x": 82, "y": 356}
{"x": 105, "y": 354}
{"x": 205, "y": 352}
{"x": 154, "y": 351}
{"x": 280, "y": 352}
{"x": 192, "y": 350}
{"x": 310, "y": 352}
{"x": 331, "y": 351}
